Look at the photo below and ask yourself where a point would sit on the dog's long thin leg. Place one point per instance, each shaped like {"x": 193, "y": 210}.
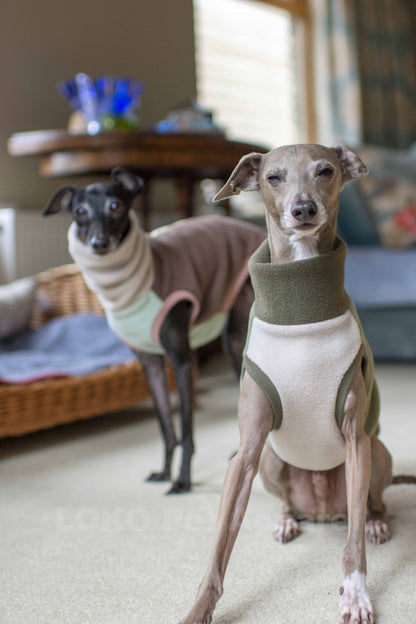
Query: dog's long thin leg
{"x": 155, "y": 373}
{"x": 174, "y": 338}
{"x": 377, "y": 527}
{"x": 235, "y": 330}
{"x": 255, "y": 417}
{"x": 275, "y": 476}
{"x": 355, "y": 605}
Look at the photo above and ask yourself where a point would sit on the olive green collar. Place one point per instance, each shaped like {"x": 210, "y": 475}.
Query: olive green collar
{"x": 304, "y": 291}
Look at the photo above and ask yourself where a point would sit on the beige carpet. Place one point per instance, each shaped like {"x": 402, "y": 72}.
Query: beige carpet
{"x": 85, "y": 541}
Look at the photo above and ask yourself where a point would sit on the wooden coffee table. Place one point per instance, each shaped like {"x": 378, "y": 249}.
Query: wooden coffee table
{"x": 185, "y": 158}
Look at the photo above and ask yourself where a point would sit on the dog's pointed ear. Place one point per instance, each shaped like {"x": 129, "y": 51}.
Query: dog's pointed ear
{"x": 61, "y": 200}
{"x": 245, "y": 177}
{"x": 352, "y": 166}
{"x": 132, "y": 183}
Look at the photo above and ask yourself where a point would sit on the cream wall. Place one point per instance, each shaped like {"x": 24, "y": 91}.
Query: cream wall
{"x": 46, "y": 41}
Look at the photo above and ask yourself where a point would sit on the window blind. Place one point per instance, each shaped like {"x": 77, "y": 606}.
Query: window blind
{"x": 246, "y": 69}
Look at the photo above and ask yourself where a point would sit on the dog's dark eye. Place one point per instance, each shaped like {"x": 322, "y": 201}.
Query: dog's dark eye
{"x": 326, "y": 172}
{"x": 116, "y": 207}
{"x": 274, "y": 178}
{"x": 81, "y": 212}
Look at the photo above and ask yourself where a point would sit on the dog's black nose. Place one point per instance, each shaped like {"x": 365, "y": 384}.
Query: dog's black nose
{"x": 100, "y": 244}
{"x": 304, "y": 210}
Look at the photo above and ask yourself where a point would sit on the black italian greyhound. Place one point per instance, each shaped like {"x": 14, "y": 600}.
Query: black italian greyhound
{"x": 105, "y": 226}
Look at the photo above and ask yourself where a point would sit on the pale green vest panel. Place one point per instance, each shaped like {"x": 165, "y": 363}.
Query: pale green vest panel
{"x": 135, "y": 325}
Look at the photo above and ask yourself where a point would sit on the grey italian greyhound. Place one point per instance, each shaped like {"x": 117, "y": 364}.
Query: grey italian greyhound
{"x": 307, "y": 387}
{"x": 164, "y": 294}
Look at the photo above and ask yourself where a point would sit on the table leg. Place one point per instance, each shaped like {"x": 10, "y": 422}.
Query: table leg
{"x": 145, "y": 208}
{"x": 185, "y": 194}
{"x": 227, "y": 207}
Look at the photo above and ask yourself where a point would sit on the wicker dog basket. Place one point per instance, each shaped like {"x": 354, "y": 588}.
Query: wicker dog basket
{"x": 50, "y": 402}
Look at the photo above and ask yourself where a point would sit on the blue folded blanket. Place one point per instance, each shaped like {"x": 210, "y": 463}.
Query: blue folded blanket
{"x": 66, "y": 346}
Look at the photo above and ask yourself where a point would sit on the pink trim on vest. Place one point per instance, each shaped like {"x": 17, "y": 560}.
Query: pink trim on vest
{"x": 235, "y": 288}
{"x": 170, "y": 301}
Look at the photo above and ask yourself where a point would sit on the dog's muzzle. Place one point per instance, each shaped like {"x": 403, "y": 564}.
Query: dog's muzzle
{"x": 304, "y": 210}
{"x": 100, "y": 244}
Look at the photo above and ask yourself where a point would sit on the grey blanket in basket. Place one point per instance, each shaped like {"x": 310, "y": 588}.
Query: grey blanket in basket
{"x": 66, "y": 346}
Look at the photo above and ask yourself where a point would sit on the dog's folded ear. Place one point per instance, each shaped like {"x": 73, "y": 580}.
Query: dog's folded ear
{"x": 352, "y": 166}
{"x": 61, "y": 200}
{"x": 245, "y": 177}
{"x": 132, "y": 183}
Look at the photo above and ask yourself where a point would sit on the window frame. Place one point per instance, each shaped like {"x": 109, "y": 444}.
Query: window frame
{"x": 303, "y": 33}
{"x": 301, "y": 12}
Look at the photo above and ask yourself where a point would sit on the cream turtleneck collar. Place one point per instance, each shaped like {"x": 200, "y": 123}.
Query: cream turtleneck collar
{"x": 119, "y": 277}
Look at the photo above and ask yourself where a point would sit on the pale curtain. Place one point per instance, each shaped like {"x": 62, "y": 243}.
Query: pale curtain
{"x": 365, "y": 71}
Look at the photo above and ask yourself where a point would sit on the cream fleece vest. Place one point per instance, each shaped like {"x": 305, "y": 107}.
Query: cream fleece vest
{"x": 305, "y": 344}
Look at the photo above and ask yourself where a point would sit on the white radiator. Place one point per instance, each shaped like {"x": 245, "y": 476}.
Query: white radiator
{"x": 7, "y": 245}
{"x": 38, "y": 243}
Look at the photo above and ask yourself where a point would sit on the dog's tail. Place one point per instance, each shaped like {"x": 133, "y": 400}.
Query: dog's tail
{"x": 403, "y": 479}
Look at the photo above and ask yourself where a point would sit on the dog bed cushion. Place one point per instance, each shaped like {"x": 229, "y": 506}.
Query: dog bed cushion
{"x": 66, "y": 346}
{"x": 16, "y": 304}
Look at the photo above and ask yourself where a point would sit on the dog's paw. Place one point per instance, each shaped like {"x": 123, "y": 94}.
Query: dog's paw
{"x": 354, "y": 605}
{"x": 209, "y": 593}
{"x": 157, "y": 477}
{"x": 205, "y": 620}
{"x": 377, "y": 532}
{"x": 286, "y": 530}
{"x": 179, "y": 487}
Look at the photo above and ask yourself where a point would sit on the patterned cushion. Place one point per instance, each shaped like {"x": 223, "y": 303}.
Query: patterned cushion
{"x": 389, "y": 193}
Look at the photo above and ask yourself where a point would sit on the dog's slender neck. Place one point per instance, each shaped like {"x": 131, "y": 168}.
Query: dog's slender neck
{"x": 285, "y": 247}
